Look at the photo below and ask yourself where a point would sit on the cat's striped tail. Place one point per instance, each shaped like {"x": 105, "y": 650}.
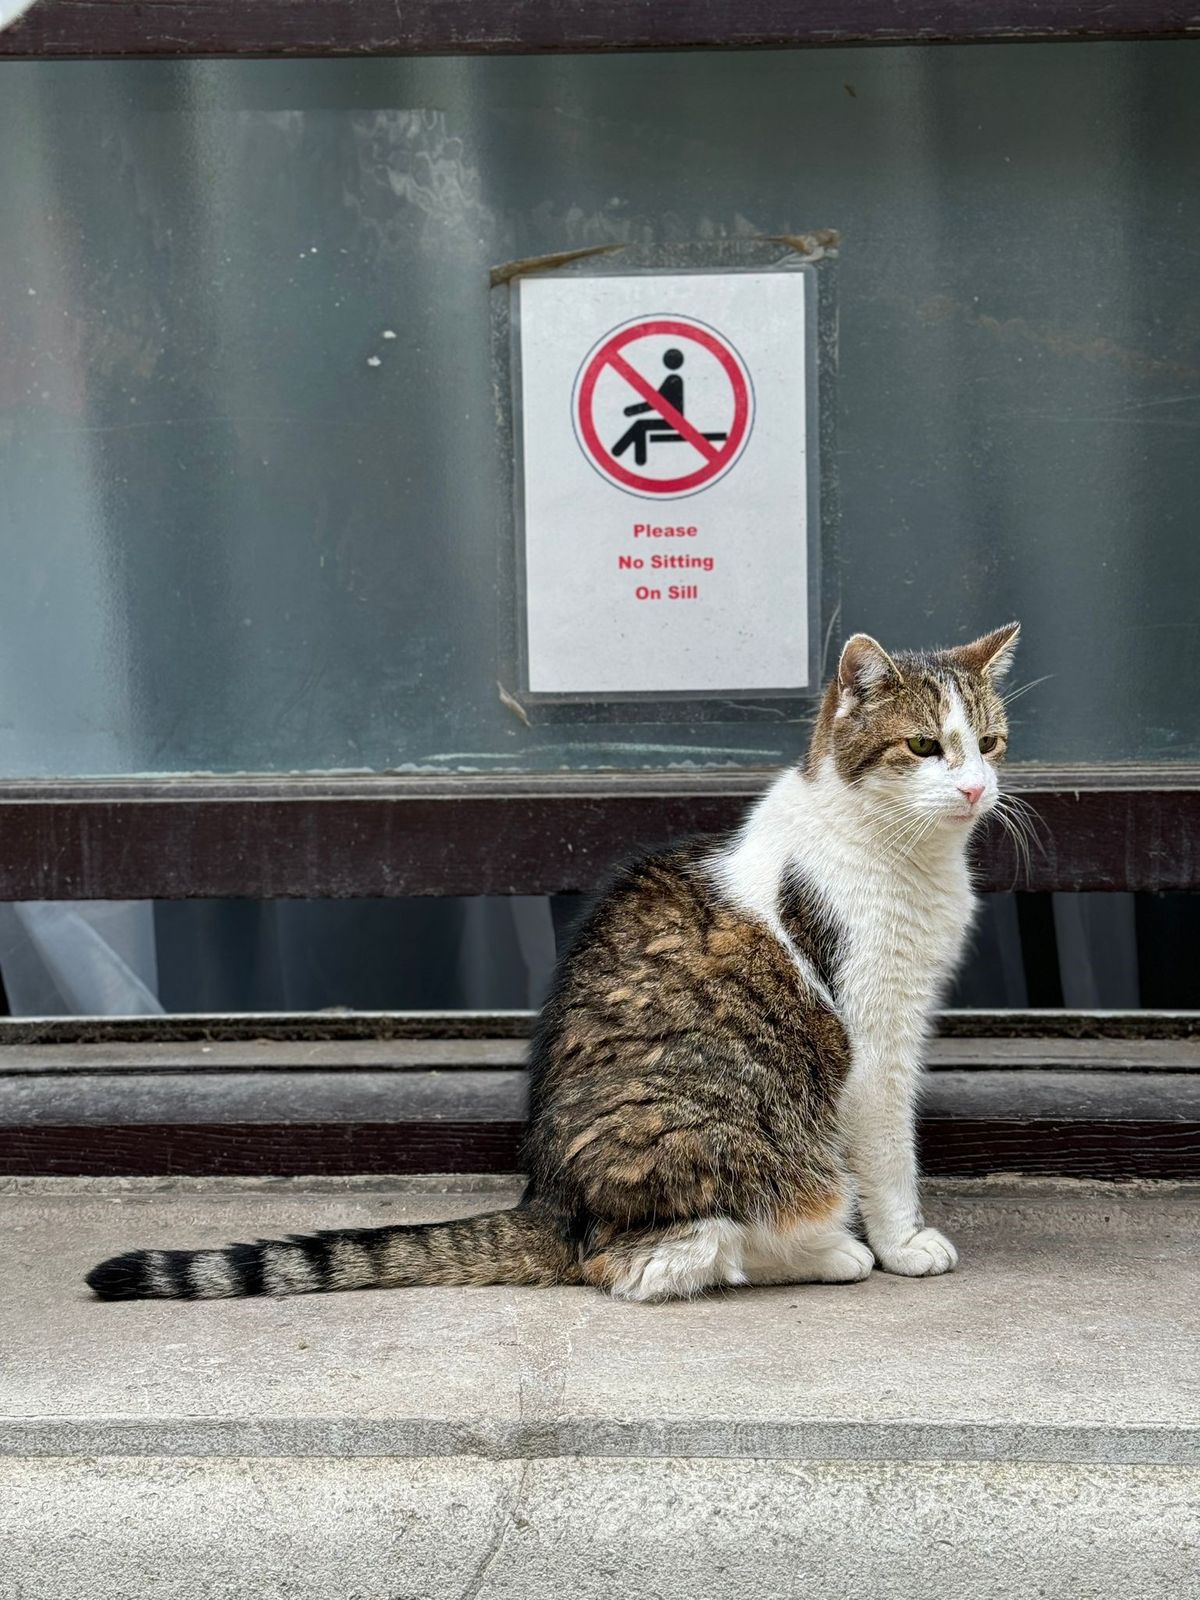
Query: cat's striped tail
{"x": 524, "y": 1246}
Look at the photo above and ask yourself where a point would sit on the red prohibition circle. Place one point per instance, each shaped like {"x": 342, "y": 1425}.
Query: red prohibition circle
{"x": 603, "y": 356}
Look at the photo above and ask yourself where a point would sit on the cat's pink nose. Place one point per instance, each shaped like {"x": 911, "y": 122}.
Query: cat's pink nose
{"x": 971, "y": 793}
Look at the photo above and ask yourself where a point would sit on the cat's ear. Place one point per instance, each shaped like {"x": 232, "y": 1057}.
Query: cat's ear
{"x": 865, "y": 665}
{"x": 992, "y": 655}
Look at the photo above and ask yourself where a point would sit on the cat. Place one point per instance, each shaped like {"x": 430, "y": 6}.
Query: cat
{"x": 725, "y": 1074}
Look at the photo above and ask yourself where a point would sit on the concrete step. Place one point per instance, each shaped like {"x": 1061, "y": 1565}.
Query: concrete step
{"x": 1027, "y": 1426}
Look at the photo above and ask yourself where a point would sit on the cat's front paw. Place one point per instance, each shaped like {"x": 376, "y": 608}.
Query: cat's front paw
{"x": 926, "y": 1254}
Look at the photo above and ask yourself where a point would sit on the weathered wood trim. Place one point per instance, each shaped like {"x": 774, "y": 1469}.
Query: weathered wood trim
{"x": 19, "y": 1034}
{"x": 312, "y": 838}
{"x": 79, "y": 28}
{"x": 950, "y": 1147}
{"x": 464, "y": 1059}
{"x": 262, "y": 1149}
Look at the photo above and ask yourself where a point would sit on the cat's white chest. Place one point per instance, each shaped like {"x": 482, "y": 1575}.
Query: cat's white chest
{"x": 904, "y": 936}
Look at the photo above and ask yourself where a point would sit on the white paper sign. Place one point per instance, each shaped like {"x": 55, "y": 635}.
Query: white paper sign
{"x": 665, "y": 501}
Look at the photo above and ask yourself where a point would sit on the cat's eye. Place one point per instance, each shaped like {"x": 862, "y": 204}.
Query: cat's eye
{"x": 921, "y": 746}
{"x": 988, "y": 743}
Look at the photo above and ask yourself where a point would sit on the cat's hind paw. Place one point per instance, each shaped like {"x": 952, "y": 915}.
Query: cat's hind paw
{"x": 848, "y": 1261}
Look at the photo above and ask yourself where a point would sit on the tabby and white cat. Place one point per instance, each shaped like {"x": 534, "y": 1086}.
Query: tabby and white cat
{"x": 728, "y": 1065}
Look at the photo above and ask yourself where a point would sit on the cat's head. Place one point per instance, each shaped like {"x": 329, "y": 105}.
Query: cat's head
{"x": 918, "y": 735}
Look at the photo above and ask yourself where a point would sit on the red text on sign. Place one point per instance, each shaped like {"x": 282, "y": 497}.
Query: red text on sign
{"x": 677, "y": 591}
{"x": 667, "y": 563}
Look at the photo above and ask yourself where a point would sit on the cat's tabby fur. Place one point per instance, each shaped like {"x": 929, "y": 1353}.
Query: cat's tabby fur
{"x": 727, "y": 1065}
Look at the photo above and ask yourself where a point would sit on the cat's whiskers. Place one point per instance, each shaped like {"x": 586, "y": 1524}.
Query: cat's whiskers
{"x": 1024, "y": 815}
{"x": 1015, "y": 694}
{"x": 1022, "y": 824}
{"x": 896, "y": 826}
{"x": 904, "y": 838}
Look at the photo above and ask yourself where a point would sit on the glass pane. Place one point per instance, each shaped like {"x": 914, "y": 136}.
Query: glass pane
{"x": 249, "y": 462}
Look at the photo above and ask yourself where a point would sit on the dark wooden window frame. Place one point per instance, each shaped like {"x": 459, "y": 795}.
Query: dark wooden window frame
{"x": 1135, "y": 828}
{"x": 66, "y": 29}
